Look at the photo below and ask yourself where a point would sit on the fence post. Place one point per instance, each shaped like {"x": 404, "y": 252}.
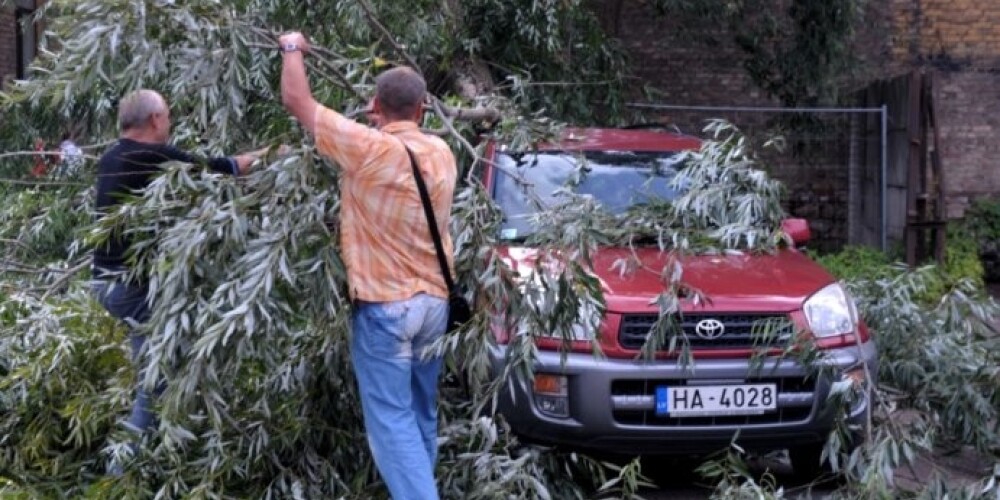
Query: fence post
{"x": 883, "y": 184}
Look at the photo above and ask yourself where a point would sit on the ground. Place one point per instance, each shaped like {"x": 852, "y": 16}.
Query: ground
{"x": 958, "y": 467}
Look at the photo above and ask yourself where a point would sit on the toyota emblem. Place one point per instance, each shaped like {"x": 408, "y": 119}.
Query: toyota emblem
{"x": 709, "y": 329}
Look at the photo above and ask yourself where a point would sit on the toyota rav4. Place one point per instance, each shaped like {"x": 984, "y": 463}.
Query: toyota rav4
{"x": 624, "y": 404}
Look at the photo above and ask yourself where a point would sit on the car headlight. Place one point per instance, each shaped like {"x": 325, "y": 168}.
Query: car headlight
{"x": 831, "y": 312}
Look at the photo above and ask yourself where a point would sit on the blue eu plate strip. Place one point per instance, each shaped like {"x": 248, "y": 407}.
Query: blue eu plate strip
{"x": 662, "y": 400}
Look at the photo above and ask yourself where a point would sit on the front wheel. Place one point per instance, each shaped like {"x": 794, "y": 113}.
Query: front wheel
{"x": 806, "y": 462}
{"x": 805, "y": 459}
{"x": 807, "y": 465}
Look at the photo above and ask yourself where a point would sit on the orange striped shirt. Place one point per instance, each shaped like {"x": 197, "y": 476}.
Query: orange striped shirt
{"x": 384, "y": 238}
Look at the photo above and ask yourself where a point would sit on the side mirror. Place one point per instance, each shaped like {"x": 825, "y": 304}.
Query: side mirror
{"x": 797, "y": 230}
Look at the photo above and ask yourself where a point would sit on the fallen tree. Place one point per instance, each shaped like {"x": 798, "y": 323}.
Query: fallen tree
{"x": 250, "y": 324}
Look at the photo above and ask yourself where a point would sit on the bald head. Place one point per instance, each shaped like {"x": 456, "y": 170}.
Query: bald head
{"x": 400, "y": 92}
{"x": 136, "y": 108}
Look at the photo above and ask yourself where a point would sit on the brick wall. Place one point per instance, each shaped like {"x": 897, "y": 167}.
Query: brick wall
{"x": 958, "y": 41}
{"x": 8, "y": 45}
{"x": 968, "y": 109}
{"x": 682, "y": 63}
{"x": 950, "y": 34}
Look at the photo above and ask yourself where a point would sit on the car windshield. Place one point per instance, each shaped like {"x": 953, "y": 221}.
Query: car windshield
{"x": 617, "y": 180}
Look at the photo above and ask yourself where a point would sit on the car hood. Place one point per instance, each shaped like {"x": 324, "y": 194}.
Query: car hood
{"x": 778, "y": 282}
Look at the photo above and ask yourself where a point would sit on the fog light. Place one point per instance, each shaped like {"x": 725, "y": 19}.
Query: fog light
{"x": 553, "y": 406}
{"x": 551, "y": 395}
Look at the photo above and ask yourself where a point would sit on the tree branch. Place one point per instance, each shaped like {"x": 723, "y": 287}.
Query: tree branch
{"x": 446, "y": 118}
{"x": 370, "y": 13}
{"x": 8, "y": 241}
{"x": 23, "y": 182}
{"x": 317, "y": 53}
{"x": 477, "y": 114}
{"x": 68, "y": 274}
{"x": 326, "y": 58}
{"x": 9, "y": 266}
{"x": 42, "y": 153}
{"x": 476, "y": 157}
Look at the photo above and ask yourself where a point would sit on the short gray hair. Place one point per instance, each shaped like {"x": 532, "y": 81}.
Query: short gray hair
{"x": 136, "y": 108}
{"x": 401, "y": 91}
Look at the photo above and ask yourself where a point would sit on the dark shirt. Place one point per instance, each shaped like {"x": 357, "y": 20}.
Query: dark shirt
{"x": 126, "y": 168}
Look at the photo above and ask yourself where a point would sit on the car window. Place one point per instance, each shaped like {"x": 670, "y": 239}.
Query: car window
{"x": 616, "y": 180}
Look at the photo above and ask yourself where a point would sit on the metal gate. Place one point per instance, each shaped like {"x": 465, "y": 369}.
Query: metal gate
{"x": 912, "y": 192}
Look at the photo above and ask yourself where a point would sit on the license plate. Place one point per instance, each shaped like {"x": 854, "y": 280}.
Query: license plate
{"x": 716, "y": 400}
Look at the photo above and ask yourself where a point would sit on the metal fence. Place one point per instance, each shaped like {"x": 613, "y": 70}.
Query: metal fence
{"x": 835, "y": 164}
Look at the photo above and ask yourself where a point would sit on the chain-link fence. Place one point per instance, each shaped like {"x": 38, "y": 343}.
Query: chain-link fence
{"x": 833, "y": 162}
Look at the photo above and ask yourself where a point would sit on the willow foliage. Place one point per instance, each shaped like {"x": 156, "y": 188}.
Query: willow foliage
{"x": 249, "y": 329}
{"x": 250, "y": 325}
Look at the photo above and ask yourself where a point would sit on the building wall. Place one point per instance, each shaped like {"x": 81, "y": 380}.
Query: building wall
{"x": 9, "y": 36}
{"x": 949, "y": 34}
{"x": 967, "y": 105}
{"x": 8, "y": 45}
{"x": 682, "y": 62}
{"x": 957, "y": 42}
{"x": 679, "y": 62}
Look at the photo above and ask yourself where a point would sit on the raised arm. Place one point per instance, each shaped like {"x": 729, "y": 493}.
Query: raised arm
{"x": 295, "y": 93}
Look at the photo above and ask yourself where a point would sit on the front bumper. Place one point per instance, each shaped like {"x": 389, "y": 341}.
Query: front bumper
{"x": 611, "y": 403}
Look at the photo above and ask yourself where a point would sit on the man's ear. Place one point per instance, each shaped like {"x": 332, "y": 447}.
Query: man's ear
{"x": 152, "y": 121}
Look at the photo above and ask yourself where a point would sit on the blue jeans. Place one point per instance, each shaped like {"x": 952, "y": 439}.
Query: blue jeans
{"x": 398, "y": 388}
{"x": 129, "y": 304}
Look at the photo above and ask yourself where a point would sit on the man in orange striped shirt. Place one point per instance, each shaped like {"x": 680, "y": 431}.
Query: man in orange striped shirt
{"x": 398, "y": 291}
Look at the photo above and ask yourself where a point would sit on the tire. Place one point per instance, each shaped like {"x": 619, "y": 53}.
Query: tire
{"x": 806, "y": 462}
{"x": 805, "y": 459}
{"x": 807, "y": 469}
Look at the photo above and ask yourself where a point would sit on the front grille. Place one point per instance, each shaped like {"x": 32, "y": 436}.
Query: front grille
{"x": 648, "y": 417}
{"x": 741, "y": 331}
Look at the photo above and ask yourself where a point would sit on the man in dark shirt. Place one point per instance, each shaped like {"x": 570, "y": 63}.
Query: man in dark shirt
{"x": 128, "y": 166}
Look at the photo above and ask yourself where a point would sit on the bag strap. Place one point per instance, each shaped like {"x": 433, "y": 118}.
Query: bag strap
{"x": 425, "y": 198}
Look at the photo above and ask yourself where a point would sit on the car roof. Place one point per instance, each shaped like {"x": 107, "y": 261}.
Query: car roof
{"x": 615, "y": 139}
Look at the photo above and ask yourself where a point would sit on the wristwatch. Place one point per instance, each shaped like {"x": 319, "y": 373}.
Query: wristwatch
{"x": 290, "y": 47}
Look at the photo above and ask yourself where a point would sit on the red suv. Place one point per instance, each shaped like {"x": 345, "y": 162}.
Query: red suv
{"x": 622, "y": 404}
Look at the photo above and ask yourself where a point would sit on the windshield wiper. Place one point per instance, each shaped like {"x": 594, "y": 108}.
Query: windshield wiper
{"x": 646, "y": 240}
{"x": 515, "y": 240}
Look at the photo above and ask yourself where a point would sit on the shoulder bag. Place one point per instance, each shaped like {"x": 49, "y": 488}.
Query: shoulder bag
{"x": 459, "y": 311}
